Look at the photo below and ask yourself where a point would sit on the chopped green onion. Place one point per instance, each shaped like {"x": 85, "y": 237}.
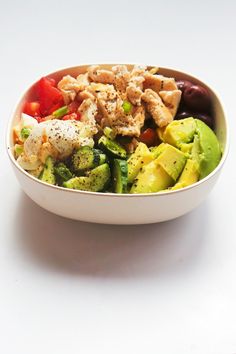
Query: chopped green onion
{"x": 24, "y": 133}
{"x": 127, "y": 107}
{"x": 60, "y": 112}
{"x": 110, "y": 134}
{"x": 18, "y": 149}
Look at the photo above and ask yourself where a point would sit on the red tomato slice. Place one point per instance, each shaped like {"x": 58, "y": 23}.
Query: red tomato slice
{"x": 50, "y": 98}
{"x": 32, "y": 109}
{"x": 148, "y": 137}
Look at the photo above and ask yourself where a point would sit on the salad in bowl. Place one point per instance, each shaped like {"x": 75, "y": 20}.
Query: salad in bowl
{"x": 120, "y": 129}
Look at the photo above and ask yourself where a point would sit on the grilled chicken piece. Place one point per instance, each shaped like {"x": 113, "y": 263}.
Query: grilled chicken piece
{"x": 106, "y": 96}
{"x": 138, "y": 70}
{"x": 135, "y": 85}
{"x": 122, "y": 77}
{"x": 71, "y": 86}
{"x": 160, "y": 113}
{"x": 100, "y": 75}
{"x": 125, "y": 124}
{"x": 134, "y": 94}
{"x": 159, "y": 83}
{"x": 88, "y": 110}
{"x": 171, "y": 100}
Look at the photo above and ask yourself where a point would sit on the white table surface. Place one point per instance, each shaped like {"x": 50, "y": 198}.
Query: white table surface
{"x": 74, "y": 287}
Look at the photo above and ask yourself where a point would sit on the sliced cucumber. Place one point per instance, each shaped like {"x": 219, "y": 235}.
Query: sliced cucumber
{"x": 120, "y": 176}
{"x": 85, "y": 158}
{"x": 102, "y": 156}
{"x": 62, "y": 173}
{"x": 96, "y": 180}
{"x": 112, "y": 148}
{"x": 47, "y": 174}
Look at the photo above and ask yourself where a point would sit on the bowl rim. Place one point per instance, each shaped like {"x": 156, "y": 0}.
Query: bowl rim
{"x": 119, "y": 195}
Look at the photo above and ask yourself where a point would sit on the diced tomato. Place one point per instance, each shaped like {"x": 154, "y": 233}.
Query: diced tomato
{"x": 32, "y": 109}
{"x": 50, "y": 98}
{"x": 148, "y": 137}
{"x": 72, "y": 116}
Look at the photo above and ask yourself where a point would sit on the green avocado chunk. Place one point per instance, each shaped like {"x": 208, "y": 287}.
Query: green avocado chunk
{"x": 210, "y": 151}
{"x": 137, "y": 160}
{"x": 180, "y": 132}
{"x": 189, "y": 175}
{"x": 172, "y": 161}
{"x": 152, "y": 178}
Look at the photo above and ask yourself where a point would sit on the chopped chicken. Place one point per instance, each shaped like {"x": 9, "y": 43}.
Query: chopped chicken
{"x": 159, "y": 82}
{"x": 122, "y": 77}
{"x": 125, "y": 124}
{"x": 71, "y": 86}
{"x": 134, "y": 94}
{"x": 88, "y": 110}
{"x": 106, "y": 96}
{"x": 135, "y": 85}
{"x": 138, "y": 70}
{"x": 100, "y": 75}
{"x": 171, "y": 100}
{"x": 160, "y": 113}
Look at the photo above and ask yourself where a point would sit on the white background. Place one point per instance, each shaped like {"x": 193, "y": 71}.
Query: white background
{"x": 73, "y": 287}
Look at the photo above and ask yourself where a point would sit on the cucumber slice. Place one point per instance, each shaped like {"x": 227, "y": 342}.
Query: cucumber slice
{"x": 120, "y": 176}
{"x": 62, "y": 173}
{"x": 47, "y": 174}
{"x": 111, "y": 147}
{"x": 96, "y": 180}
{"x": 102, "y": 156}
{"x": 85, "y": 158}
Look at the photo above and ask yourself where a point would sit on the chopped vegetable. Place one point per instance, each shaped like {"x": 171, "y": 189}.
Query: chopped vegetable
{"x": 85, "y": 158}
{"x": 50, "y": 98}
{"x": 148, "y": 137}
{"x": 32, "y": 109}
{"x": 18, "y": 149}
{"x": 24, "y": 133}
{"x": 62, "y": 173}
{"x": 127, "y": 107}
{"x": 97, "y": 180}
{"x": 47, "y": 174}
{"x": 120, "y": 176}
{"x": 111, "y": 147}
{"x": 60, "y": 112}
{"x": 109, "y": 133}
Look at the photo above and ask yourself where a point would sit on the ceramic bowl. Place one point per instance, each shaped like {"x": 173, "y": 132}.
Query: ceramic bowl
{"x": 117, "y": 208}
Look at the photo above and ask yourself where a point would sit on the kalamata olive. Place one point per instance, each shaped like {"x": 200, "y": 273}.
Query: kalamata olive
{"x": 183, "y": 115}
{"x": 206, "y": 118}
{"x": 183, "y": 84}
{"x": 197, "y": 98}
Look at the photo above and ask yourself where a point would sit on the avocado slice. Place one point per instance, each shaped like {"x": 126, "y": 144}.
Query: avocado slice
{"x": 209, "y": 149}
{"x": 152, "y": 178}
{"x": 172, "y": 161}
{"x": 157, "y": 150}
{"x": 137, "y": 160}
{"x": 189, "y": 175}
{"x": 180, "y": 131}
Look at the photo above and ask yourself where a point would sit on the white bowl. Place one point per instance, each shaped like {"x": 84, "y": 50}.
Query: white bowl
{"x": 117, "y": 208}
